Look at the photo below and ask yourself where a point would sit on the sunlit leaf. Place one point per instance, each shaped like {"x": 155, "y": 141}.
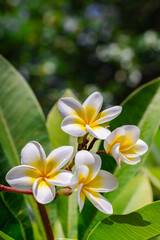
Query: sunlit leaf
{"x": 142, "y": 224}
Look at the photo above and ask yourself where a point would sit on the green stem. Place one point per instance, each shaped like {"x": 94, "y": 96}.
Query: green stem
{"x": 46, "y": 221}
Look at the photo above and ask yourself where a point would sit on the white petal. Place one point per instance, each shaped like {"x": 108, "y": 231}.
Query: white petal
{"x": 70, "y": 106}
{"x": 22, "y": 177}
{"x": 91, "y": 160}
{"x": 33, "y": 154}
{"x": 98, "y": 131}
{"x": 101, "y": 203}
{"x": 74, "y": 126}
{"x": 132, "y": 133}
{"x": 117, "y": 136}
{"x": 80, "y": 197}
{"x": 136, "y": 150}
{"x": 130, "y": 161}
{"x": 116, "y": 154}
{"x": 80, "y": 176}
{"x": 43, "y": 191}
{"x": 58, "y": 158}
{"x": 92, "y": 105}
{"x": 60, "y": 178}
{"x": 107, "y": 115}
{"x": 103, "y": 182}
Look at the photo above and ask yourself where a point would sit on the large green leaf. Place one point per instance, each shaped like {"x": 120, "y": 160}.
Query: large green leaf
{"x": 66, "y": 206}
{"x": 21, "y": 120}
{"x": 154, "y": 176}
{"x": 141, "y": 108}
{"x": 54, "y": 120}
{"x": 3, "y": 236}
{"x": 142, "y": 224}
{"x": 136, "y": 194}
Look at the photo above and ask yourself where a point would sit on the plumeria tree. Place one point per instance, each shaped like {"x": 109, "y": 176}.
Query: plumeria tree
{"x": 95, "y": 182}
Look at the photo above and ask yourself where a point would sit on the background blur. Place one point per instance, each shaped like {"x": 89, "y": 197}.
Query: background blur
{"x": 112, "y": 46}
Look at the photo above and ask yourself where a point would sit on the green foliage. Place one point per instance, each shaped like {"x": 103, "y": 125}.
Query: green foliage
{"x": 142, "y": 224}
{"x": 3, "y": 236}
{"x": 66, "y": 207}
{"x": 141, "y": 108}
{"x": 83, "y": 45}
{"x": 21, "y": 120}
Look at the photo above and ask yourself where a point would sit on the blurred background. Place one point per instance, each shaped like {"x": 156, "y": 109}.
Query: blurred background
{"x": 112, "y": 46}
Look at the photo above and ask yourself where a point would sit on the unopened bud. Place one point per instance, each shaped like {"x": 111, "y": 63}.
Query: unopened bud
{"x": 66, "y": 191}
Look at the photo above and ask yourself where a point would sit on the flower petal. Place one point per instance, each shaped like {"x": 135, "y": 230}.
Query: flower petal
{"x": 60, "y": 178}
{"x": 136, "y": 150}
{"x": 101, "y": 203}
{"x": 22, "y": 177}
{"x": 43, "y": 191}
{"x": 70, "y": 106}
{"x": 80, "y": 197}
{"x": 92, "y": 105}
{"x": 91, "y": 160}
{"x": 98, "y": 131}
{"x": 116, "y": 153}
{"x": 117, "y": 136}
{"x": 33, "y": 154}
{"x": 130, "y": 161}
{"x": 58, "y": 158}
{"x": 103, "y": 182}
{"x": 132, "y": 133}
{"x": 74, "y": 126}
{"x": 80, "y": 176}
{"x": 107, "y": 115}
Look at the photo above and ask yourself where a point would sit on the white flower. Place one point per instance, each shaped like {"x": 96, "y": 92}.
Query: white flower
{"x": 39, "y": 174}
{"x": 124, "y": 145}
{"x": 88, "y": 180}
{"x": 80, "y": 119}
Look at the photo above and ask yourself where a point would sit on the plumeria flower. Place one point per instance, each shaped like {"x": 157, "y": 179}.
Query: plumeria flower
{"x": 39, "y": 174}
{"x": 124, "y": 145}
{"x": 80, "y": 119}
{"x": 88, "y": 180}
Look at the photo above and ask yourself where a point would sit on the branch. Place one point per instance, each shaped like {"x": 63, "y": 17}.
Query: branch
{"x": 9, "y": 189}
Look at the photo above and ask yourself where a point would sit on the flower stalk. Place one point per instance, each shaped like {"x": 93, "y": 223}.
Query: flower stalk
{"x": 41, "y": 207}
{"x": 46, "y": 222}
{"x": 9, "y": 189}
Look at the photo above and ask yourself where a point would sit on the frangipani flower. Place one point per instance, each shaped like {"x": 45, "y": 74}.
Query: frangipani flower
{"x": 88, "y": 180}
{"x": 39, "y": 174}
{"x": 124, "y": 145}
{"x": 80, "y": 119}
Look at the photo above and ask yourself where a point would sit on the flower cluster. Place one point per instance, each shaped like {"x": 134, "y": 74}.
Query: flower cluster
{"x": 42, "y": 175}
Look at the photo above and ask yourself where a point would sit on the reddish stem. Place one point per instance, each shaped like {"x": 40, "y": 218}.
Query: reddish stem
{"x": 9, "y": 189}
{"x": 101, "y": 152}
{"x": 46, "y": 221}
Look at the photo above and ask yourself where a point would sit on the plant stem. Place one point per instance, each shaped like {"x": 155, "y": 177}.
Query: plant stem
{"x": 92, "y": 144}
{"x": 46, "y": 221}
{"x": 41, "y": 207}
{"x": 101, "y": 152}
{"x": 9, "y": 189}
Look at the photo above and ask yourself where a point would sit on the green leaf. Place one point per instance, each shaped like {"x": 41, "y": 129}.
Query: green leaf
{"x": 141, "y": 108}
{"x": 57, "y": 136}
{"x": 136, "y": 194}
{"x": 142, "y": 224}
{"x": 68, "y": 215}
{"x": 21, "y": 120}
{"x": 3, "y": 236}
{"x": 66, "y": 206}
{"x": 13, "y": 215}
{"x": 154, "y": 175}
